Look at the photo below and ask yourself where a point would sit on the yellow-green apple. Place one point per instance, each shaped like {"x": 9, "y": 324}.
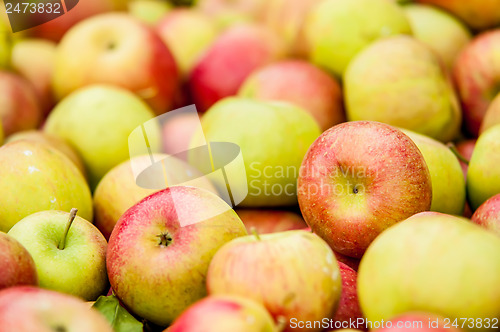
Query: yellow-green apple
{"x": 225, "y": 65}
{"x": 69, "y": 252}
{"x": 477, "y": 77}
{"x": 300, "y": 83}
{"x": 116, "y": 49}
{"x": 28, "y": 309}
{"x": 149, "y": 11}
{"x": 359, "y": 178}
{"x": 417, "y": 322}
{"x": 294, "y": 274}
{"x": 465, "y": 148}
{"x": 336, "y": 30}
{"x": 5, "y": 44}
{"x": 159, "y": 251}
{"x": 16, "y": 264}
{"x": 348, "y": 310}
{"x": 36, "y": 69}
{"x": 270, "y": 221}
{"x": 19, "y": 105}
{"x": 492, "y": 116}
{"x": 483, "y": 172}
{"x": 381, "y": 80}
{"x": 187, "y": 33}
{"x": 251, "y": 9}
{"x": 36, "y": 177}
{"x": 394, "y": 278}
{"x": 448, "y": 183}
{"x": 96, "y": 121}
{"x": 439, "y": 30}
{"x": 488, "y": 214}
{"x": 478, "y": 14}
{"x": 224, "y": 313}
{"x": 177, "y": 132}
{"x": 273, "y": 137}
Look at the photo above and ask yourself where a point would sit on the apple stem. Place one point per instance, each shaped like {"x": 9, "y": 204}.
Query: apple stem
{"x": 281, "y": 323}
{"x": 453, "y": 149}
{"x": 253, "y": 230}
{"x": 72, "y": 215}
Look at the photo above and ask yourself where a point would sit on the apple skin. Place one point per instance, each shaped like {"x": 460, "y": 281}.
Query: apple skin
{"x": 345, "y": 178}
{"x": 177, "y": 133}
{"x": 16, "y": 264}
{"x": 492, "y": 116}
{"x": 488, "y": 214}
{"x": 294, "y": 274}
{"x": 157, "y": 281}
{"x": 300, "y": 83}
{"x": 348, "y": 309}
{"x": 477, "y": 75}
{"x": 96, "y": 121}
{"x": 466, "y": 148}
{"x": 270, "y": 221}
{"x": 80, "y": 268}
{"x": 234, "y": 55}
{"x": 19, "y": 109}
{"x": 120, "y": 50}
{"x": 150, "y": 12}
{"x": 414, "y": 318}
{"x": 336, "y": 30}
{"x": 379, "y": 82}
{"x": 224, "y": 314}
{"x": 39, "y": 178}
{"x": 483, "y": 172}
{"x": 452, "y": 37}
{"x": 394, "y": 277}
{"x": 28, "y": 309}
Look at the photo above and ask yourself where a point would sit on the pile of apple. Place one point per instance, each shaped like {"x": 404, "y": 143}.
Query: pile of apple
{"x": 370, "y": 136}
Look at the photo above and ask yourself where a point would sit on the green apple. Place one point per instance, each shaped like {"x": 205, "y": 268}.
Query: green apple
{"x": 492, "y": 116}
{"x": 69, "y": 252}
{"x": 5, "y": 44}
{"x": 96, "y": 121}
{"x": 483, "y": 174}
{"x": 149, "y": 11}
{"x": 16, "y": 264}
{"x": 336, "y": 30}
{"x": 435, "y": 263}
{"x": 36, "y": 177}
{"x": 448, "y": 183}
{"x": 401, "y": 82}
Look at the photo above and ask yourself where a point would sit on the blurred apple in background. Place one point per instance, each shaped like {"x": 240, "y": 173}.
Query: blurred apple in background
{"x": 96, "y": 121}
{"x": 225, "y": 65}
{"x": 359, "y": 178}
{"x": 466, "y": 148}
{"x": 116, "y": 49}
{"x": 149, "y": 11}
{"x": 36, "y": 177}
{"x": 16, "y": 264}
{"x": 5, "y": 43}
{"x": 159, "y": 250}
{"x": 224, "y": 314}
{"x": 336, "y": 30}
{"x": 294, "y": 274}
{"x": 394, "y": 277}
{"x": 401, "y": 82}
{"x": 177, "y": 133}
{"x": 19, "y": 105}
{"x": 477, "y": 77}
{"x": 483, "y": 175}
{"x": 270, "y": 221}
{"x": 248, "y": 9}
{"x": 439, "y": 30}
{"x": 348, "y": 310}
{"x": 70, "y": 255}
{"x": 492, "y": 116}
{"x": 488, "y": 214}
{"x": 300, "y": 83}
{"x": 1, "y": 133}
{"x": 418, "y": 322}
{"x": 28, "y": 309}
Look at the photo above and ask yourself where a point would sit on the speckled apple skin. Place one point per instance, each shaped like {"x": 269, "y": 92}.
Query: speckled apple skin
{"x": 488, "y": 214}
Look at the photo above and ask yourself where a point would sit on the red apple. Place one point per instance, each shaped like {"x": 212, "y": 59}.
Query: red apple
{"x": 415, "y": 322}
{"x": 488, "y": 214}
{"x": 178, "y": 131}
{"x": 352, "y": 262}
{"x": 348, "y": 309}
{"x": 16, "y": 264}
{"x": 270, "y": 221}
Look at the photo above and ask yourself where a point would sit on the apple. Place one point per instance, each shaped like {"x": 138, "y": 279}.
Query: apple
{"x": 348, "y": 310}
{"x": 187, "y": 33}
{"x": 5, "y": 44}
{"x": 301, "y": 83}
{"x": 359, "y": 178}
{"x": 270, "y": 221}
{"x": 96, "y": 121}
{"x": 483, "y": 172}
{"x": 394, "y": 277}
{"x": 233, "y": 56}
{"x": 28, "y": 309}
{"x": 442, "y": 32}
{"x": 159, "y": 251}
{"x": 1, "y": 133}
{"x": 465, "y": 148}
{"x": 177, "y": 133}
{"x": 250, "y": 9}
{"x": 273, "y": 138}
{"x": 448, "y": 183}
{"x": 477, "y": 76}
{"x": 492, "y": 115}
{"x": 478, "y": 14}
{"x": 382, "y": 79}
{"x": 149, "y": 11}
{"x": 488, "y": 214}
{"x": 69, "y": 252}
{"x": 16, "y": 264}
{"x": 116, "y": 49}
{"x": 36, "y": 177}
{"x": 224, "y": 314}
{"x": 351, "y": 262}
{"x": 336, "y": 30}
{"x": 284, "y": 271}
{"x": 19, "y": 106}
{"x": 417, "y": 322}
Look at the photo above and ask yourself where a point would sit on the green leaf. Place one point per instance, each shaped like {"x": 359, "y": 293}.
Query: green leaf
{"x": 117, "y": 316}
